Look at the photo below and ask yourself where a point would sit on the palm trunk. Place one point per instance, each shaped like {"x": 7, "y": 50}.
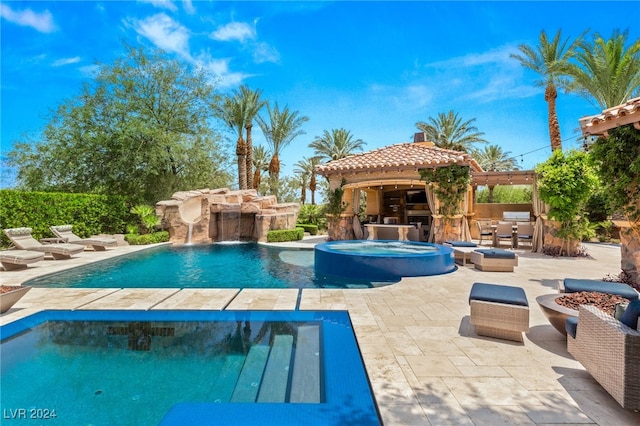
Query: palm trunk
{"x": 550, "y": 95}
{"x": 241, "y": 152}
{"x": 312, "y": 188}
{"x": 249, "y": 154}
{"x": 256, "y": 179}
{"x": 274, "y": 174}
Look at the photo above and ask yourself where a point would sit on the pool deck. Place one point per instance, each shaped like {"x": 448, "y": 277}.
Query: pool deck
{"x": 425, "y": 362}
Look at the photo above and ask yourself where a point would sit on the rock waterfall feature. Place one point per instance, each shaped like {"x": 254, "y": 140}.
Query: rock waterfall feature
{"x": 213, "y": 215}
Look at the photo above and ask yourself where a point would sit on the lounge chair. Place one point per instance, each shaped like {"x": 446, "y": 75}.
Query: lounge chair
{"x": 462, "y": 250}
{"x": 98, "y": 243}
{"x": 23, "y": 240}
{"x": 19, "y": 259}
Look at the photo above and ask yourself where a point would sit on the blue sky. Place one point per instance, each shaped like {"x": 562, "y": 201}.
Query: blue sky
{"x": 374, "y": 68}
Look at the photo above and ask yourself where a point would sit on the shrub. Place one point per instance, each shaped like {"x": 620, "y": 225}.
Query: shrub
{"x": 156, "y": 237}
{"x": 90, "y": 214}
{"x": 310, "y": 228}
{"x": 310, "y": 214}
{"x": 282, "y": 235}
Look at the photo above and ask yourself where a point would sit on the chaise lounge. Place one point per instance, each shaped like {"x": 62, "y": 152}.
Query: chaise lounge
{"x": 19, "y": 259}
{"x": 98, "y": 243}
{"x": 23, "y": 240}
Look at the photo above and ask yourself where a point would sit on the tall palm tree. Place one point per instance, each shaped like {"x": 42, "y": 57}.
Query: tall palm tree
{"x": 307, "y": 167}
{"x": 282, "y": 128}
{"x": 450, "y": 132}
{"x": 252, "y": 105}
{"x": 337, "y": 144}
{"x": 493, "y": 159}
{"x": 550, "y": 60}
{"x": 607, "y": 74}
{"x": 232, "y": 112}
{"x": 301, "y": 179}
{"x": 260, "y": 164}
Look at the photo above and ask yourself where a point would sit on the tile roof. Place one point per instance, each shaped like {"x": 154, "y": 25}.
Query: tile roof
{"x": 400, "y": 156}
{"x": 620, "y": 115}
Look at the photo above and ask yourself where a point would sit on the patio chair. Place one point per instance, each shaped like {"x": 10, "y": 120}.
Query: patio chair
{"x": 22, "y": 239}
{"x": 19, "y": 259}
{"x": 525, "y": 232}
{"x": 610, "y": 351}
{"x": 504, "y": 231}
{"x": 484, "y": 229}
{"x": 98, "y": 243}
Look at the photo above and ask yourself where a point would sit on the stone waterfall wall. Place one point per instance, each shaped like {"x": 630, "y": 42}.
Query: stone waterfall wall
{"x": 212, "y": 215}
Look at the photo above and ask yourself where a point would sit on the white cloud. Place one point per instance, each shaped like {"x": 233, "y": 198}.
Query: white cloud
{"x": 188, "y": 7}
{"x": 263, "y": 52}
{"x": 240, "y": 31}
{"x": 66, "y": 61}
{"x": 162, "y": 4}
{"x": 90, "y": 71}
{"x": 42, "y": 22}
{"x": 220, "y": 68}
{"x": 165, "y": 33}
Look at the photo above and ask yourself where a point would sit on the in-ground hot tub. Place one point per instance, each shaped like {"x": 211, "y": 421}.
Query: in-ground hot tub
{"x": 375, "y": 260}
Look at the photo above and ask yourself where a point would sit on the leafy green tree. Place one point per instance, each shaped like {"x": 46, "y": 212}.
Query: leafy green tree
{"x": 551, "y": 61}
{"x": 617, "y": 161}
{"x": 565, "y": 183}
{"x": 337, "y": 144}
{"x": 139, "y": 129}
{"x": 450, "y": 132}
{"x": 282, "y": 127}
{"x": 307, "y": 168}
{"x": 607, "y": 73}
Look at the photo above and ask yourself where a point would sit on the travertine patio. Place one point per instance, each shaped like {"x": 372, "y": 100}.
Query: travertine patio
{"x": 425, "y": 363}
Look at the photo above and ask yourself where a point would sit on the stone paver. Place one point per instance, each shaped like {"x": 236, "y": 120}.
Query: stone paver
{"x": 425, "y": 363}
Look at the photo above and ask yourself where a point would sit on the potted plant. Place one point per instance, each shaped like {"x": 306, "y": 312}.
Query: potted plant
{"x": 10, "y": 294}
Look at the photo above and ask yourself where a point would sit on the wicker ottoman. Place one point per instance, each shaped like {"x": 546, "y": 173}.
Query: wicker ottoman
{"x": 494, "y": 260}
{"x": 499, "y": 311}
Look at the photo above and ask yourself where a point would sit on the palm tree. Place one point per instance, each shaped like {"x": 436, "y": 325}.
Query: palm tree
{"x": 260, "y": 164}
{"x": 607, "y": 74}
{"x": 550, "y": 59}
{"x": 307, "y": 167}
{"x": 337, "y": 144}
{"x": 450, "y": 132}
{"x": 232, "y": 112}
{"x": 301, "y": 179}
{"x": 252, "y": 105}
{"x": 282, "y": 128}
{"x": 493, "y": 159}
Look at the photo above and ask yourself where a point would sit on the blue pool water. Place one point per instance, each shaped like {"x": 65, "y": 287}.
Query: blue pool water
{"x": 183, "y": 367}
{"x": 244, "y": 265}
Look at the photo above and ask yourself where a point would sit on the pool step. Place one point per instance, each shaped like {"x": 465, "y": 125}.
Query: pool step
{"x": 249, "y": 381}
{"x": 276, "y": 374}
{"x": 305, "y": 381}
{"x": 226, "y": 381}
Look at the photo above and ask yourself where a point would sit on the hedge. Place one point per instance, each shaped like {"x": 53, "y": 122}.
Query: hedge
{"x": 282, "y": 235}
{"x": 309, "y": 227}
{"x": 89, "y": 214}
{"x": 139, "y": 240}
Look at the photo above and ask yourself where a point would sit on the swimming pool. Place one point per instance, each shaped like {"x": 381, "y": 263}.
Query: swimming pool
{"x": 184, "y": 367}
{"x": 240, "y": 265}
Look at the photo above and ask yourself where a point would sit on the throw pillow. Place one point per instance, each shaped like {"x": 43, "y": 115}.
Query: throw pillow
{"x": 630, "y": 315}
